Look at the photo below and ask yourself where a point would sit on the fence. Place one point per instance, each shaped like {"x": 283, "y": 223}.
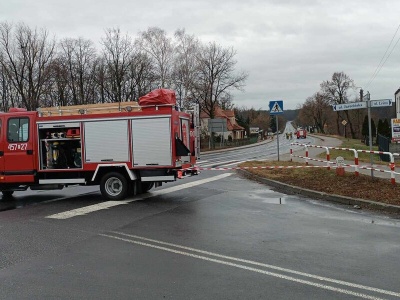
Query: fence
{"x": 218, "y": 144}
{"x": 356, "y": 165}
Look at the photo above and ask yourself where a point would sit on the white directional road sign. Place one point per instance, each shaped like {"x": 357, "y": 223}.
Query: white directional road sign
{"x": 357, "y": 105}
{"x": 347, "y": 106}
{"x": 381, "y": 103}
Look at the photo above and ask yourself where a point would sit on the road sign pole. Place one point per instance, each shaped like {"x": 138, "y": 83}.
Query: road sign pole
{"x": 277, "y": 135}
{"x": 370, "y": 132}
{"x": 275, "y": 109}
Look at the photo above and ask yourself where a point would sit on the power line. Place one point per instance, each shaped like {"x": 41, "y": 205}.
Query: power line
{"x": 380, "y": 65}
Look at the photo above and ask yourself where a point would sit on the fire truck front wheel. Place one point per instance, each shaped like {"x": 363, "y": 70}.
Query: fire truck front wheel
{"x": 114, "y": 186}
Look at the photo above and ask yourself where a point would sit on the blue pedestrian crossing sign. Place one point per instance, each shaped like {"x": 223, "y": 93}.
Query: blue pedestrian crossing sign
{"x": 276, "y": 107}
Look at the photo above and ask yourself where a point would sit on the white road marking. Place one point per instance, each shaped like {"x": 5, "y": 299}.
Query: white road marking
{"x": 234, "y": 163}
{"x": 219, "y": 163}
{"x": 105, "y": 205}
{"x": 190, "y": 184}
{"x": 320, "y": 278}
{"x": 201, "y": 162}
{"x": 87, "y": 209}
{"x": 240, "y": 266}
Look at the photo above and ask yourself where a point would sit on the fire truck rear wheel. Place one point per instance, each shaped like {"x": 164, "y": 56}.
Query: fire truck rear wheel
{"x": 146, "y": 186}
{"x": 114, "y": 186}
{"x": 7, "y": 193}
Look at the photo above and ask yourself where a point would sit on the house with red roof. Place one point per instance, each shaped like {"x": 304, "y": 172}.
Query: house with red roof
{"x": 233, "y": 128}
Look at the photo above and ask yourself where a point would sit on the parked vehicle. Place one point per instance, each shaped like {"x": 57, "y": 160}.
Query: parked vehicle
{"x": 126, "y": 148}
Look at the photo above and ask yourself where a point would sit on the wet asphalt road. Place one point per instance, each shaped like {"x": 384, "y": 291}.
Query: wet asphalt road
{"x": 211, "y": 236}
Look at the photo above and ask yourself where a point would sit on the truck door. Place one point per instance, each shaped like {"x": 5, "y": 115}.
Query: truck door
{"x": 18, "y": 149}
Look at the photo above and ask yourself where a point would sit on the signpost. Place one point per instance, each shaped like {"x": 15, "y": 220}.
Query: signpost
{"x": 344, "y": 122}
{"x": 381, "y": 103}
{"x": 217, "y": 125}
{"x": 347, "y": 106}
{"x": 275, "y": 109}
{"x": 254, "y": 130}
{"x": 395, "y": 130}
{"x": 368, "y": 103}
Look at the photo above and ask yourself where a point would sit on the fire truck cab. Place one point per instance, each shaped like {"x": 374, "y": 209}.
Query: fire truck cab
{"x": 124, "y": 147}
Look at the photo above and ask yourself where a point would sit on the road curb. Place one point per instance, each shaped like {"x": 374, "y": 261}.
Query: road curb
{"x": 290, "y": 189}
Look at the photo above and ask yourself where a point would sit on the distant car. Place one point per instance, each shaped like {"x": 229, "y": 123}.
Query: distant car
{"x": 301, "y": 134}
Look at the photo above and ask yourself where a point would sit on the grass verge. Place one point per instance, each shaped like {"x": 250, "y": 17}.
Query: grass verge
{"x": 323, "y": 180}
{"x": 349, "y": 155}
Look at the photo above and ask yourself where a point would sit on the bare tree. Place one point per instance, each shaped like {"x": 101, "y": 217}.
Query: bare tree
{"x": 141, "y": 75}
{"x": 159, "y": 47}
{"x": 336, "y": 90}
{"x": 6, "y": 90}
{"x": 78, "y": 57}
{"x": 216, "y": 76}
{"x": 117, "y": 53}
{"x": 261, "y": 120}
{"x": 26, "y": 55}
{"x": 185, "y": 66}
{"x": 316, "y": 110}
{"x": 59, "y": 92}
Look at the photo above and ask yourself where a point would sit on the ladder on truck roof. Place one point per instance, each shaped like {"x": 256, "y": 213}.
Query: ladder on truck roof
{"x": 97, "y": 108}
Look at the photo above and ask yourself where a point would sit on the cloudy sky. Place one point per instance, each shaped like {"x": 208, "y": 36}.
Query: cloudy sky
{"x": 288, "y": 47}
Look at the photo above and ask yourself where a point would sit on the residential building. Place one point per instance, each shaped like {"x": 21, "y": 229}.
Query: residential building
{"x": 233, "y": 129}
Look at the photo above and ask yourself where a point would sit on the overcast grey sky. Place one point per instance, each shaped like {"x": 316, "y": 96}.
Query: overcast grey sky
{"x": 288, "y": 47}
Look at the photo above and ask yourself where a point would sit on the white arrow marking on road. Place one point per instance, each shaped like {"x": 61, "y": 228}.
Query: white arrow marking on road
{"x": 108, "y": 204}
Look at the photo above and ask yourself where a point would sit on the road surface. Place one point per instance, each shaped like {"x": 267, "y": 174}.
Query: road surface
{"x": 212, "y": 236}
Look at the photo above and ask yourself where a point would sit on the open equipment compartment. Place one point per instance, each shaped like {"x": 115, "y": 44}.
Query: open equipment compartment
{"x": 60, "y": 146}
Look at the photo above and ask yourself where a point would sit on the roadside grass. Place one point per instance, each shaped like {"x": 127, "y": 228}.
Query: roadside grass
{"x": 349, "y": 155}
{"x": 323, "y": 180}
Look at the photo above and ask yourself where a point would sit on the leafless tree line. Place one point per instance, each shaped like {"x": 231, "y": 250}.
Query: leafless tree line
{"x": 317, "y": 110}
{"x": 36, "y": 70}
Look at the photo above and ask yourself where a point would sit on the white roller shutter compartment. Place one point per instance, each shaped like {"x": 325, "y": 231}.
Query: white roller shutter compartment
{"x": 106, "y": 141}
{"x": 151, "y": 142}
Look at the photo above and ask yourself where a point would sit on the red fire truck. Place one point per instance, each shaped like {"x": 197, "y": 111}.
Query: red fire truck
{"x": 301, "y": 133}
{"x": 126, "y": 148}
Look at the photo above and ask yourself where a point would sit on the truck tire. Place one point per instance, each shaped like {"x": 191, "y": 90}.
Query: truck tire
{"x": 146, "y": 186}
{"x": 114, "y": 186}
{"x": 7, "y": 194}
